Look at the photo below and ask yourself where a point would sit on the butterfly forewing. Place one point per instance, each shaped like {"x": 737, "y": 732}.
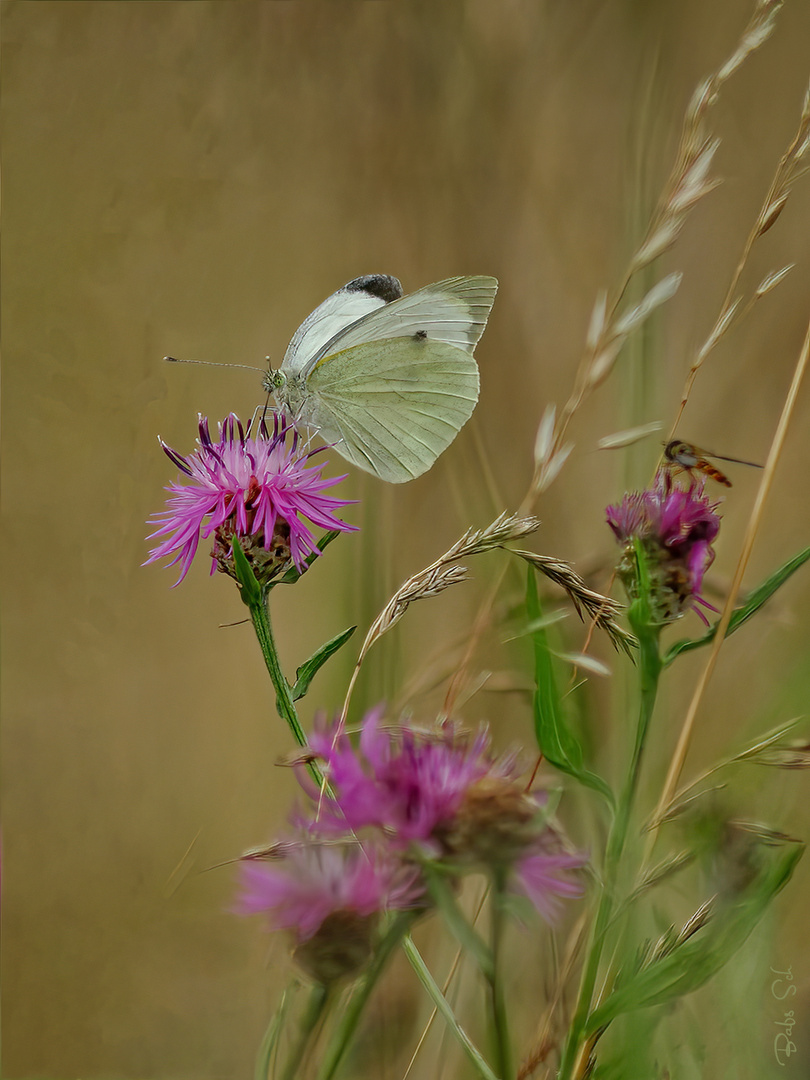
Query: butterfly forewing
{"x": 338, "y": 312}
{"x": 396, "y": 404}
{"x": 454, "y": 311}
{"x": 389, "y": 379}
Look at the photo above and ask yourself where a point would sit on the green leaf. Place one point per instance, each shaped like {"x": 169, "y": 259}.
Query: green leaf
{"x": 249, "y": 588}
{"x": 309, "y": 669}
{"x": 556, "y": 740}
{"x": 692, "y": 963}
{"x": 293, "y": 574}
{"x": 740, "y": 615}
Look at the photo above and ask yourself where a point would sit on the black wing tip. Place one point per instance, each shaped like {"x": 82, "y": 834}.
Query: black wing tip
{"x": 383, "y": 286}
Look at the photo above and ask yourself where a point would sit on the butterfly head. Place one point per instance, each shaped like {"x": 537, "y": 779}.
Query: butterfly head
{"x": 273, "y": 381}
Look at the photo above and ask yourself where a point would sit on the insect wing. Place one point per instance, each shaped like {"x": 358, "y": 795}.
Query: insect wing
{"x": 454, "y": 311}
{"x": 738, "y": 461}
{"x": 690, "y": 457}
{"x": 393, "y": 406}
{"x": 331, "y": 318}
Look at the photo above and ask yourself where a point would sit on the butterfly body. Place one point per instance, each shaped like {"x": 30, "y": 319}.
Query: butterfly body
{"x": 389, "y": 379}
{"x": 689, "y": 457}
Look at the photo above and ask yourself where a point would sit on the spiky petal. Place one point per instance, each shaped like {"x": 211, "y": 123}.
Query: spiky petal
{"x": 257, "y": 488}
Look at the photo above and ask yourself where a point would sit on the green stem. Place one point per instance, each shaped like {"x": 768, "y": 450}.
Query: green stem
{"x": 440, "y": 1001}
{"x": 260, "y": 617}
{"x": 443, "y": 896}
{"x": 649, "y": 669}
{"x": 315, "y": 1009}
{"x": 255, "y": 598}
{"x": 500, "y": 1021}
{"x": 357, "y": 1002}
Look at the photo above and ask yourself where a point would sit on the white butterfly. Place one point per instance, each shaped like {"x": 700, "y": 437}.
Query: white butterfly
{"x": 389, "y": 379}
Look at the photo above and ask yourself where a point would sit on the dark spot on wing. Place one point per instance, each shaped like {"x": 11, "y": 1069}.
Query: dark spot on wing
{"x": 420, "y": 335}
{"x": 384, "y": 286}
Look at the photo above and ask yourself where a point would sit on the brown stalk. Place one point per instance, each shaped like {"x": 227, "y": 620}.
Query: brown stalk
{"x": 752, "y": 529}
{"x": 770, "y": 210}
{"x": 434, "y": 579}
{"x": 687, "y": 184}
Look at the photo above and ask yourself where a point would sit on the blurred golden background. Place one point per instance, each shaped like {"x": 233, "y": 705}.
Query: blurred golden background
{"x": 195, "y": 177}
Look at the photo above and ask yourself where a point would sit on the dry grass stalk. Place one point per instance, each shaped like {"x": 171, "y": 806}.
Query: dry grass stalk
{"x": 768, "y": 750}
{"x": 768, "y": 836}
{"x": 672, "y": 939}
{"x": 795, "y": 755}
{"x": 620, "y": 439}
{"x": 772, "y": 280}
{"x": 437, "y": 577}
{"x": 689, "y": 180}
{"x": 661, "y": 872}
{"x": 603, "y": 610}
{"x": 732, "y": 311}
{"x": 688, "y": 183}
{"x": 553, "y": 1019}
{"x": 445, "y": 571}
{"x": 752, "y": 529}
{"x": 679, "y": 806}
{"x": 766, "y": 742}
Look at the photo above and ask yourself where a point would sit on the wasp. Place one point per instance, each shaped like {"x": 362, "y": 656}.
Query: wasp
{"x": 689, "y": 457}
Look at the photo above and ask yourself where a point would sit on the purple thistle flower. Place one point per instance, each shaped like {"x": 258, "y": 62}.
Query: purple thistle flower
{"x": 406, "y": 783}
{"x": 315, "y": 880}
{"x": 442, "y": 795}
{"x": 544, "y": 877}
{"x": 501, "y": 826}
{"x": 331, "y": 898}
{"x": 677, "y": 528}
{"x": 256, "y": 488}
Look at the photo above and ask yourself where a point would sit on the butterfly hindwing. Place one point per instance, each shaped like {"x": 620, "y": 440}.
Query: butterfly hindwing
{"x": 395, "y": 405}
{"x": 389, "y": 379}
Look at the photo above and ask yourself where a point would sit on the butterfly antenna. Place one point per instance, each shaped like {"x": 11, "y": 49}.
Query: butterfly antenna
{"x": 210, "y": 363}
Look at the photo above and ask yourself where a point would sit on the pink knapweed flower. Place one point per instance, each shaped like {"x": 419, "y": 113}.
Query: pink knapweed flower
{"x": 256, "y": 488}
{"x": 315, "y": 880}
{"x": 442, "y": 795}
{"x": 545, "y": 877}
{"x": 331, "y": 897}
{"x": 676, "y": 528}
{"x": 406, "y": 782}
